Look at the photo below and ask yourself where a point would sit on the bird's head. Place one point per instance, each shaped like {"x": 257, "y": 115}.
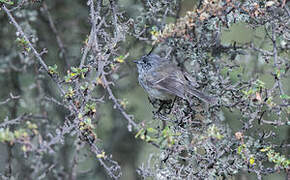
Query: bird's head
{"x": 148, "y": 61}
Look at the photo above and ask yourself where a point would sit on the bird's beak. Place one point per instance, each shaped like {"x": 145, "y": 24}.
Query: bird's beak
{"x": 135, "y": 61}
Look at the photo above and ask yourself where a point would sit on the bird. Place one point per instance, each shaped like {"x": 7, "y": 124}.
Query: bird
{"x": 164, "y": 80}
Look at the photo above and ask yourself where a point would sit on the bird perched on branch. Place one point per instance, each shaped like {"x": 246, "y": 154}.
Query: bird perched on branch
{"x": 163, "y": 80}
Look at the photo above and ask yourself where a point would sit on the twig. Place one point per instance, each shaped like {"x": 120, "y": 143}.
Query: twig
{"x": 19, "y": 119}
{"x": 12, "y": 97}
{"x": 51, "y": 99}
{"x": 73, "y": 173}
{"x": 114, "y": 170}
{"x": 117, "y": 104}
{"x": 19, "y": 29}
{"x": 40, "y": 60}
{"x": 92, "y": 37}
{"x": 58, "y": 39}
{"x": 276, "y": 64}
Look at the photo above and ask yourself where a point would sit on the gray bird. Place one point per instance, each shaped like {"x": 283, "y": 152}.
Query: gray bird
{"x": 163, "y": 80}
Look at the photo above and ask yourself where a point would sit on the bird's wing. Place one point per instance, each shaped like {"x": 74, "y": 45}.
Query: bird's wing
{"x": 169, "y": 80}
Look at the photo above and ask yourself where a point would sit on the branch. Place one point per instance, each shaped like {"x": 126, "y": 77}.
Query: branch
{"x": 113, "y": 169}
{"x": 12, "y": 97}
{"x": 38, "y": 56}
{"x": 19, "y": 119}
{"x": 40, "y": 60}
{"x": 19, "y": 29}
{"x": 117, "y": 104}
{"x": 58, "y": 39}
{"x": 275, "y": 55}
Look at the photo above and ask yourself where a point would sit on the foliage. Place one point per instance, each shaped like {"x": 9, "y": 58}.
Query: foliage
{"x": 49, "y": 111}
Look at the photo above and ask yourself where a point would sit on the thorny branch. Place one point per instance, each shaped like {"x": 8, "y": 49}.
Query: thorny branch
{"x": 67, "y": 127}
{"x": 39, "y": 58}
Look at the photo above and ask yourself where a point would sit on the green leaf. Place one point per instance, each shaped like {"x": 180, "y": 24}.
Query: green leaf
{"x": 52, "y": 69}
{"x": 151, "y": 130}
{"x": 284, "y": 96}
{"x": 7, "y": 2}
{"x": 74, "y": 69}
{"x": 141, "y": 131}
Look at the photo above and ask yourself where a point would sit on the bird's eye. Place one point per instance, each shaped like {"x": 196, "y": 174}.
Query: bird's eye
{"x": 145, "y": 60}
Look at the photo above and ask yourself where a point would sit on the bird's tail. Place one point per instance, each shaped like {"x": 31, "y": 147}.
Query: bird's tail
{"x": 208, "y": 99}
